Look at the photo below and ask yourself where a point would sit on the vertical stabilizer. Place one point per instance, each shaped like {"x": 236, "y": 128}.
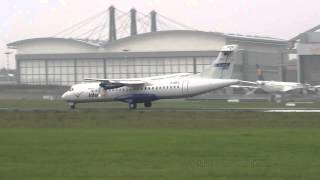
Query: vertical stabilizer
{"x": 222, "y": 67}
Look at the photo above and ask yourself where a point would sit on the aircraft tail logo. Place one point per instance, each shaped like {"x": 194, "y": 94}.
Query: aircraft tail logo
{"x": 222, "y": 66}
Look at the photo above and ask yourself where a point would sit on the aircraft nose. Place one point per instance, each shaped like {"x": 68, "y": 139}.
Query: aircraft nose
{"x": 64, "y": 96}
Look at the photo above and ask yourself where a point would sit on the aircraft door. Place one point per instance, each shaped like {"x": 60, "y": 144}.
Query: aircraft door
{"x": 185, "y": 87}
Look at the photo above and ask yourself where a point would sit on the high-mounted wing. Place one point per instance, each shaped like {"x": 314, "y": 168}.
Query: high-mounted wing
{"x": 290, "y": 88}
{"x": 250, "y": 89}
{"x": 117, "y": 83}
{"x": 244, "y": 87}
{"x": 249, "y": 82}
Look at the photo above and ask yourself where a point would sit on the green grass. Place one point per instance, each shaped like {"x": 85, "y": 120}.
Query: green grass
{"x": 154, "y": 145}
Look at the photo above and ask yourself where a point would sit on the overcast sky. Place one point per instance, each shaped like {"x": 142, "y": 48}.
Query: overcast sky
{"x": 21, "y": 19}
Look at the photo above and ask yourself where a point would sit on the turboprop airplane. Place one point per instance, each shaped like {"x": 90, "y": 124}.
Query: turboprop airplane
{"x": 272, "y": 87}
{"x": 147, "y": 90}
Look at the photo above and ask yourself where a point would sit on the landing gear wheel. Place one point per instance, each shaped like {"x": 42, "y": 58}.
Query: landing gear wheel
{"x": 132, "y": 105}
{"x": 147, "y": 104}
{"x": 72, "y": 105}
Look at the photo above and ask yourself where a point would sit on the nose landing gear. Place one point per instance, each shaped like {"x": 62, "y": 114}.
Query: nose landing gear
{"x": 132, "y": 105}
{"x": 72, "y": 105}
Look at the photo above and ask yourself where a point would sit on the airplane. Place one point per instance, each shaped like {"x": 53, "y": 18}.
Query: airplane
{"x": 272, "y": 87}
{"x": 275, "y": 86}
{"x": 147, "y": 90}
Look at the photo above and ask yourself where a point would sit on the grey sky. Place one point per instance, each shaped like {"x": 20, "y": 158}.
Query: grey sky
{"x": 20, "y": 19}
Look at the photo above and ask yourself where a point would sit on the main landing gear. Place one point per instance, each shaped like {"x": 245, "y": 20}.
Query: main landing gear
{"x": 148, "y": 104}
{"x": 72, "y": 105}
{"x": 134, "y": 105}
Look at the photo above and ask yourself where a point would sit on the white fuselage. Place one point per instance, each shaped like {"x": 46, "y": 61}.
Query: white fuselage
{"x": 146, "y": 90}
{"x": 168, "y": 88}
{"x": 278, "y": 87}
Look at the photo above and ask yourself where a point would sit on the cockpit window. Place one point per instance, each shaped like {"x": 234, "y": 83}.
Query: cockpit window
{"x": 71, "y": 89}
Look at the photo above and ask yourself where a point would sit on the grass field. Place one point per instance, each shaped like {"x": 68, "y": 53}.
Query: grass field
{"x": 156, "y": 145}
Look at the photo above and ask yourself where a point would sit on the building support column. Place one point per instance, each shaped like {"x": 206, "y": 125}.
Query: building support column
{"x": 75, "y": 71}
{"x": 18, "y": 73}
{"x": 46, "y": 71}
{"x": 112, "y": 24}
{"x": 195, "y": 65}
{"x": 300, "y": 69}
{"x": 133, "y": 28}
{"x": 104, "y": 69}
{"x": 154, "y": 21}
{"x": 283, "y": 68}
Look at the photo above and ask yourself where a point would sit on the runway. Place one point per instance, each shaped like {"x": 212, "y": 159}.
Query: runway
{"x": 267, "y": 110}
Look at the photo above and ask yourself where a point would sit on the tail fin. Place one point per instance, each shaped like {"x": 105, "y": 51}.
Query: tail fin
{"x": 222, "y": 67}
{"x": 259, "y": 73}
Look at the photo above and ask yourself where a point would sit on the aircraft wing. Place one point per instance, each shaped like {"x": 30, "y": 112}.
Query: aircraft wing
{"x": 249, "y": 82}
{"x": 288, "y": 89}
{"x": 250, "y": 89}
{"x": 116, "y": 83}
{"x": 244, "y": 87}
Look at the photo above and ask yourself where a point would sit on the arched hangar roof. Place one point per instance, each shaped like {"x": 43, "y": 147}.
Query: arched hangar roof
{"x": 162, "y": 41}
{"x": 53, "y": 45}
{"x": 179, "y": 40}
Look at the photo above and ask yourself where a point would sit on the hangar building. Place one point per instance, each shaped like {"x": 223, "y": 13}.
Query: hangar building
{"x": 307, "y": 45}
{"x": 66, "y": 61}
{"x": 55, "y": 61}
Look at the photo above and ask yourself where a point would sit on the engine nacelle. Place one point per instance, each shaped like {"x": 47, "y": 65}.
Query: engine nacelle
{"x": 107, "y": 86}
